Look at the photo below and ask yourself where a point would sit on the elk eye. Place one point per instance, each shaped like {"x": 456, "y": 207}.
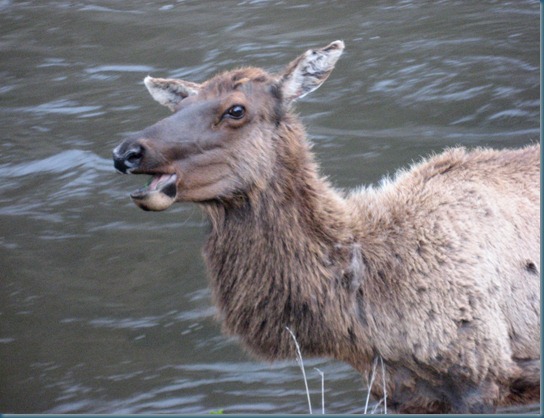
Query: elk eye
{"x": 236, "y": 112}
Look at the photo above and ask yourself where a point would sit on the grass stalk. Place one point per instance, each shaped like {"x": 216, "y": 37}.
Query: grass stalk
{"x": 376, "y": 407}
{"x": 301, "y": 364}
{"x": 372, "y": 377}
{"x": 384, "y": 387}
{"x": 322, "y": 390}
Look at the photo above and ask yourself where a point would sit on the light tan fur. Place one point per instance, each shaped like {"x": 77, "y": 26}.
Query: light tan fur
{"x": 436, "y": 271}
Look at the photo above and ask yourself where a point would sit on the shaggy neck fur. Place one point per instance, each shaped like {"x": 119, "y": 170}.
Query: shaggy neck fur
{"x": 284, "y": 256}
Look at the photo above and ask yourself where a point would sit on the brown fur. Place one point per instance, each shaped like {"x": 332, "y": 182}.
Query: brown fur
{"x": 436, "y": 271}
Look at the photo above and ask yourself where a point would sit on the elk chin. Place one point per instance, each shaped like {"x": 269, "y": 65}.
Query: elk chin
{"x": 159, "y": 194}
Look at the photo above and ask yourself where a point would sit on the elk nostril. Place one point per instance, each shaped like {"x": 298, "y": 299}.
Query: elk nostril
{"x": 132, "y": 158}
{"x": 129, "y": 159}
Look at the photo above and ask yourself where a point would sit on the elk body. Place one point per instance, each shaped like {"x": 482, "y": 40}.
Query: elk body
{"x": 435, "y": 271}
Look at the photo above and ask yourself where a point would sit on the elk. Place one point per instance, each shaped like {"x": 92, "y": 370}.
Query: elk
{"x": 435, "y": 271}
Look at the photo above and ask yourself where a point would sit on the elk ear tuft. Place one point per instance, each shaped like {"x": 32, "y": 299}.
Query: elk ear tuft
{"x": 168, "y": 91}
{"x": 306, "y": 73}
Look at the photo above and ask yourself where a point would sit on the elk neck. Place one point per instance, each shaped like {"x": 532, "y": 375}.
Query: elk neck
{"x": 285, "y": 256}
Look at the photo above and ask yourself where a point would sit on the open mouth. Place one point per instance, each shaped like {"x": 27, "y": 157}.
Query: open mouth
{"x": 159, "y": 194}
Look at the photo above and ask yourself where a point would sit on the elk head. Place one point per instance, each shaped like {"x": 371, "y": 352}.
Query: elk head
{"x": 219, "y": 141}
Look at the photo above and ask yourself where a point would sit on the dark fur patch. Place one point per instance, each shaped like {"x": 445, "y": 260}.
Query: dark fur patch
{"x": 531, "y": 267}
{"x": 279, "y": 109}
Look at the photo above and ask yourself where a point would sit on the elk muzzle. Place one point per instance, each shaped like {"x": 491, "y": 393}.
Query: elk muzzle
{"x": 161, "y": 190}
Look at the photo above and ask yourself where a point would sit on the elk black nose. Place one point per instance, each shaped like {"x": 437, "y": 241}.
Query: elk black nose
{"x": 127, "y": 158}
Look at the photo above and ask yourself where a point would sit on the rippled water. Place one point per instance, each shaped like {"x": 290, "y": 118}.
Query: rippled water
{"x": 105, "y": 308}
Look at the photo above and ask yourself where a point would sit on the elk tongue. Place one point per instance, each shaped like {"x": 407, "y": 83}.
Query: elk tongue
{"x": 158, "y": 194}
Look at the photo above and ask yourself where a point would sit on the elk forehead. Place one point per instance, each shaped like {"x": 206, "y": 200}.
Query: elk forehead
{"x": 233, "y": 80}
{"x": 244, "y": 80}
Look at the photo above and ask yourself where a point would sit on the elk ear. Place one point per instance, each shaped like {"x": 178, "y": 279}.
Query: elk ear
{"x": 168, "y": 91}
{"x": 309, "y": 71}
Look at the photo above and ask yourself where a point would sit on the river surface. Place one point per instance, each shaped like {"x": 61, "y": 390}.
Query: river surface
{"x": 105, "y": 308}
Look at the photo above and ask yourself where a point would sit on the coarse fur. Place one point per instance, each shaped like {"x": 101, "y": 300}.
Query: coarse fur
{"x": 436, "y": 271}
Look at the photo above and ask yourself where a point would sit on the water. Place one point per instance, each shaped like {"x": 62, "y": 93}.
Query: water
{"x": 105, "y": 308}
